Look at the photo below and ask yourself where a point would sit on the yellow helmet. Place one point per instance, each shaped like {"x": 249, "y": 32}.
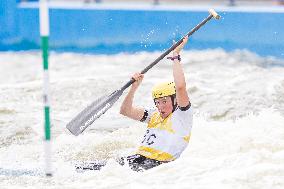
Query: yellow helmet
{"x": 163, "y": 89}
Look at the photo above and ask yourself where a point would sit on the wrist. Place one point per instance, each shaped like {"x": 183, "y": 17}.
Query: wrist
{"x": 177, "y": 57}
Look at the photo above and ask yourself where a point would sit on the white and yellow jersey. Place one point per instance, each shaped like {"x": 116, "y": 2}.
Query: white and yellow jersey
{"x": 166, "y": 139}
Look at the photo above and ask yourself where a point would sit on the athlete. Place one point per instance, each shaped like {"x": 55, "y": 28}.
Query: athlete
{"x": 169, "y": 124}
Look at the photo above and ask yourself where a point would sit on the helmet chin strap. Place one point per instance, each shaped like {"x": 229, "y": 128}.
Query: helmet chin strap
{"x": 174, "y": 103}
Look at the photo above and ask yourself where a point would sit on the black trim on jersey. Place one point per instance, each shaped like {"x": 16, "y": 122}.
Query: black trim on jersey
{"x": 144, "y": 116}
{"x": 185, "y": 108}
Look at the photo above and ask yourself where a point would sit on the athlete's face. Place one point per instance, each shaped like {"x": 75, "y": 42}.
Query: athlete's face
{"x": 164, "y": 105}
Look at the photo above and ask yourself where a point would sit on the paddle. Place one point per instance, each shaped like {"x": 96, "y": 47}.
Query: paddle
{"x": 101, "y": 105}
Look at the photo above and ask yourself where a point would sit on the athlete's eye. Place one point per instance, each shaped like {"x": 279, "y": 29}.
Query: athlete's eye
{"x": 159, "y": 102}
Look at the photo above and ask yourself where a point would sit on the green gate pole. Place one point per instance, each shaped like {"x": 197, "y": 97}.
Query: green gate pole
{"x": 44, "y": 33}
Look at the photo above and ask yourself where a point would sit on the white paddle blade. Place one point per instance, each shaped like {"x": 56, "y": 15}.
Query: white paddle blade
{"x": 85, "y": 118}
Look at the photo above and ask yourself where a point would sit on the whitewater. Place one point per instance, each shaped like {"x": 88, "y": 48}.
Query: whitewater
{"x": 237, "y": 138}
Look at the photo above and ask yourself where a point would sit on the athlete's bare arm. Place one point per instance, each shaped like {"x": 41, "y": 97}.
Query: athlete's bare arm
{"x": 127, "y": 108}
{"x": 179, "y": 79}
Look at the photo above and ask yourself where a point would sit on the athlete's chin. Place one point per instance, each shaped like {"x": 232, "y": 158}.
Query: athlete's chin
{"x": 163, "y": 114}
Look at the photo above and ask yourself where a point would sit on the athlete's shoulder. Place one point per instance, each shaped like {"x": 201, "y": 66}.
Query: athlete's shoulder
{"x": 184, "y": 111}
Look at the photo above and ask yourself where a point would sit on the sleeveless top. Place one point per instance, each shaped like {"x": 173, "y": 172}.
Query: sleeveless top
{"x": 165, "y": 139}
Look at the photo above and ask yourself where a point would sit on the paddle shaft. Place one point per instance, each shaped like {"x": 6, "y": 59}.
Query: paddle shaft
{"x": 168, "y": 51}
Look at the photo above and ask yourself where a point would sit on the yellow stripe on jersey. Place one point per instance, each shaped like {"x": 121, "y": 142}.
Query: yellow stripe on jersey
{"x": 154, "y": 154}
{"x": 158, "y": 122}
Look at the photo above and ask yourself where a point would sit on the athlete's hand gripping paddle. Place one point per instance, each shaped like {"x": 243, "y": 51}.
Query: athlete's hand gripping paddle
{"x": 85, "y": 118}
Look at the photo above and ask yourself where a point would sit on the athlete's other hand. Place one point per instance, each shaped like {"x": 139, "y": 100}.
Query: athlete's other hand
{"x": 138, "y": 77}
{"x": 180, "y": 47}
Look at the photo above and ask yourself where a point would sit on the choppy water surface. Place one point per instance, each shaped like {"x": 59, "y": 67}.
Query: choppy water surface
{"x": 238, "y": 132}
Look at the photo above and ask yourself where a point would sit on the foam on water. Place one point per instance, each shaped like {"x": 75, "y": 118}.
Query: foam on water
{"x": 237, "y": 139}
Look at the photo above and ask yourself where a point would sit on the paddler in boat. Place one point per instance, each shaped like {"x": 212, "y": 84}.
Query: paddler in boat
{"x": 168, "y": 124}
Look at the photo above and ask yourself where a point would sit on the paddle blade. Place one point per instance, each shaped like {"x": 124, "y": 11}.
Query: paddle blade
{"x": 85, "y": 118}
